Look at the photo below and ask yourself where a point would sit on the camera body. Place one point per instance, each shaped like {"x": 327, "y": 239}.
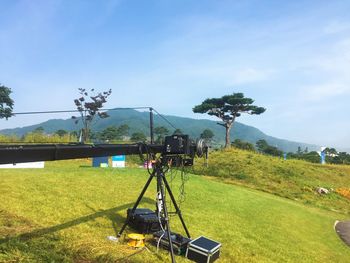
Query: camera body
{"x": 177, "y": 151}
{"x": 176, "y": 144}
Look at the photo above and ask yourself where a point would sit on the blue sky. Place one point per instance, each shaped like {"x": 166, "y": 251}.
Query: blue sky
{"x": 292, "y": 57}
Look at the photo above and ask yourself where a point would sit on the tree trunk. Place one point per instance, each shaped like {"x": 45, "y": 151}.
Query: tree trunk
{"x": 228, "y": 128}
{"x": 85, "y": 133}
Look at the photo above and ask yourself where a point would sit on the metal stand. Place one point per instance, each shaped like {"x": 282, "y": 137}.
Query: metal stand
{"x": 161, "y": 182}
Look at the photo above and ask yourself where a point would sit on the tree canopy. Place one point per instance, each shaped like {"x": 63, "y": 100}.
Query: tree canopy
{"x": 207, "y": 134}
{"x": 114, "y": 132}
{"x": 228, "y": 108}
{"x": 6, "y": 103}
{"x": 177, "y": 132}
{"x": 61, "y": 132}
{"x": 138, "y": 137}
{"x": 243, "y": 145}
{"x": 161, "y": 132}
{"x": 264, "y": 147}
{"x": 89, "y": 106}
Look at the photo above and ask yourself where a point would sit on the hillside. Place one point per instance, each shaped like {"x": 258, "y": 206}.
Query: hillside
{"x": 139, "y": 121}
{"x": 292, "y": 179}
{"x": 64, "y": 213}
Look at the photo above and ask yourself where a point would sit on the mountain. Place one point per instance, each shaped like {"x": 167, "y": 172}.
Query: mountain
{"x": 139, "y": 121}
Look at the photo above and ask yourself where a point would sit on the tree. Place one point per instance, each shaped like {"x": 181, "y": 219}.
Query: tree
{"x": 344, "y": 158}
{"x": 39, "y": 130}
{"x": 6, "y": 103}
{"x": 312, "y": 156}
{"x": 122, "y": 131}
{"x": 110, "y": 133}
{"x": 261, "y": 145}
{"x": 264, "y": 147}
{"x": 138, "y": 137}
{"x": 89, "y": 106}
{"x": 228, "y": 108}
{"x": 177, "y": 132}
{"x": 274, "y": 151}
{"x": 330, "y": 151}
{"x": 299, "y": 151}
{"x": 160, "y": 131}
{"x": 207, "y": 134}
{"x": 243, "y": 145}
{"x": 114, "y": 132}
{"x": 61, "y": 132}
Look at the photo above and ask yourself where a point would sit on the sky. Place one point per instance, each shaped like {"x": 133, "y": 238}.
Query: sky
{"x": 291, "y": 57}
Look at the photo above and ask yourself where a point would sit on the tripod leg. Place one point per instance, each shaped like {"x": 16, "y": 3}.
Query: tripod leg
{"x": 178, "y": 211}
{"x": 135, "y": 205}
{"x": 159, "y": 181}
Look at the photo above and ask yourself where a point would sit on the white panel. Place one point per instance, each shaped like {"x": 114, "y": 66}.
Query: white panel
{"x": 118, "y": 164}
{"x": 24, "y": 165}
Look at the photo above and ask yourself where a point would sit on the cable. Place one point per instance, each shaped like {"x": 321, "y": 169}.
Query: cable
{"x": 112, "y": 109}
{"x": 182, "y": 192}
{"x": 165, "y": 119}
{"x": 173, "y": 173}
{"x": 148, "y": 156}
{"x": 71, "y": 111}
{"x": 160, "y": 207}
{"x": 184, "y": 178}
{"x": 99, "y": 110}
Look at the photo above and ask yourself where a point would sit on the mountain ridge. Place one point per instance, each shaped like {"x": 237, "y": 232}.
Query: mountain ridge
{"x": 138, "y": 121}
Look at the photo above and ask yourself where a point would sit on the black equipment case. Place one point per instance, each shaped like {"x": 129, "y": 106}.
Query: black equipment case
{"x": 179, "y": 242}
{"x": 144, "y": 220}
{"x": 203, "y": 250}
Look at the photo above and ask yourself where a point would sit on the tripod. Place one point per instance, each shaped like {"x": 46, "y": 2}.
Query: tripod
{"x": 159, "y": 174}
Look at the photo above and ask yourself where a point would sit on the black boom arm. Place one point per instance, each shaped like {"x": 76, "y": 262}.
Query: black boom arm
{"x": 51, "y": 152}
{"x": 174, "y": 145}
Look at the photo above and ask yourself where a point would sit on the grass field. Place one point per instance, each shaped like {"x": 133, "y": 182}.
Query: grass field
{"x": 64, "y": 213}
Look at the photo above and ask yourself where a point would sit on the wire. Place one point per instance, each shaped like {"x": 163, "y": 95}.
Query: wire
{"x": 161, "y": 226}
{"x": 184, "y": 176}
{"x": 70, "y": 111}
{"x": 165, "y": 119}
{"x": 173, "y": 173}
{"x": 160, "y": 207}
{"x": 148, "y": 156}
{"x": 182, "y": 192}
{"x": 112, "y": 109}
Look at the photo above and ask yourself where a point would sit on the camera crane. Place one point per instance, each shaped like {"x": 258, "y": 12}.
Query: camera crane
{"x": 177, "y": 150}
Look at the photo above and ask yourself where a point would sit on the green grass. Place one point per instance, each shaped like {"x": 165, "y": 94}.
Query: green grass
{"x": 64, "y": 213}
{"x": 292, "y": 179}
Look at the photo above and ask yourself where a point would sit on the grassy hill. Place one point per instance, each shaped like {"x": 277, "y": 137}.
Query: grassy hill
{"x": 292, "y": 179}
{"x": 64, "y": 213}
{"x": 139, "y": 121}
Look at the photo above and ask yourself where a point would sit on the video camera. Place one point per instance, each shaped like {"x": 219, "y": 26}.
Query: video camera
{"x": 179, "y": 150}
